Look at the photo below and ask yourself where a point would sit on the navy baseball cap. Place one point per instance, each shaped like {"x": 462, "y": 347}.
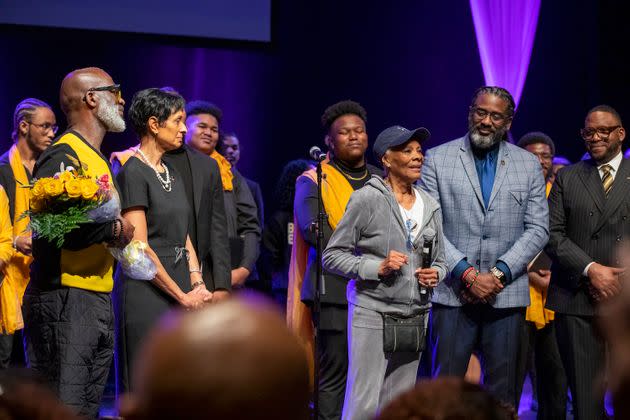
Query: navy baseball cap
{"x": 395, "y": 136}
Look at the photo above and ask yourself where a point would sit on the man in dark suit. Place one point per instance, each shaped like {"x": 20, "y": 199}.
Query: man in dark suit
{"x": 589, "y": 210}
{"x": 209, "y": 233}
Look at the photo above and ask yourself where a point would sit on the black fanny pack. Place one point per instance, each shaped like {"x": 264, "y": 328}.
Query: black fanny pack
{"x": 404, "y": 334}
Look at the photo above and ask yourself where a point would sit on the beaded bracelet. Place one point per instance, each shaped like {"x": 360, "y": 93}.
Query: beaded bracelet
{"x": 196, "y": 284}
{"x": 468, "y": 270}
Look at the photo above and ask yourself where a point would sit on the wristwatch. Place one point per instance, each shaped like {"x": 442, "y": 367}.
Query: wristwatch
{"x": 498, "y": 274}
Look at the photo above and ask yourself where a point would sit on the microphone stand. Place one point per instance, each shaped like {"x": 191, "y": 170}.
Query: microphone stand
{"x": 319, "y": 285}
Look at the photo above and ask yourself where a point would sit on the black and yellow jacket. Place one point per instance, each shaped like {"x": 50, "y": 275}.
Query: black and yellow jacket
{"x": 84, "y": 261}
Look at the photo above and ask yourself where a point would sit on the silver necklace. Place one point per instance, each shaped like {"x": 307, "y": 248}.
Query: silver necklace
{"x": 165, "y": 183}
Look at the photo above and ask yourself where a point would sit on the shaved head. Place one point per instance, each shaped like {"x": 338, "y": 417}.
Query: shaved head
{"x": 77, "y": 82}
{"x": 234, "y": 359}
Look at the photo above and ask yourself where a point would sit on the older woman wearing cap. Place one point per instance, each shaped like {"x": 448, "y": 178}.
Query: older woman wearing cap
{"x": 390, "y": 244}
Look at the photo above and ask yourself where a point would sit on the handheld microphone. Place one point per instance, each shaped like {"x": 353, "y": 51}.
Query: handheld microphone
{"x": 316, "y": 154}
{"x": 427, "y": 251}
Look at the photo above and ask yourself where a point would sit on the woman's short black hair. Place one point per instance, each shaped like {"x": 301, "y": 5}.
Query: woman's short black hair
{"x": 160, "y": 103}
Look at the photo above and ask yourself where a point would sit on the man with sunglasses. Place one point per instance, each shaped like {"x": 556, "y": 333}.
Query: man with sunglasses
{"x": 34, "y": 127}
{"x": 589, "y": 215}
{"x": 68, "y": 317}
{"x": 492, "y": 195}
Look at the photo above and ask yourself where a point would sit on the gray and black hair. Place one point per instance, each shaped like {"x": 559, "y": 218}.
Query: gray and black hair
{"x": 496, "y": 91}
{"x": 608, "y": 109}
{"x": 24, "y": 111}
{"x": 537, "y": 137}
{"x": 160, "y": 103}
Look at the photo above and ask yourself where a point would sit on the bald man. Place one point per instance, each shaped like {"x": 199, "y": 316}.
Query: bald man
{"x": 257, "y": 369}
{"x": 69, "y": 323}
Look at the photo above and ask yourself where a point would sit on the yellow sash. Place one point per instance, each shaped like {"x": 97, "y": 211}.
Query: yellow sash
{"x": 90, "y": 268}
{"x": 336, "y": 191}
{"x": 225, "y": 169}
{"x": 17, "y": 272}
{"x": 536, "y": 311}
{"x": 123, "y": 155}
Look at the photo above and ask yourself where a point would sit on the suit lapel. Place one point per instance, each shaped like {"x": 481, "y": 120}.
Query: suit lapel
{"x": 593, "y": 183}
{"x": 197, "y": 179}
{"x": 617, "y": 194}
{"x": 502, "y": 169}
{"x": 468, "y": 161}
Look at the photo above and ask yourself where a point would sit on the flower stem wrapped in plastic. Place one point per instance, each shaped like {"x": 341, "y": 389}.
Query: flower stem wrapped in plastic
{"x": 134, "y": 260}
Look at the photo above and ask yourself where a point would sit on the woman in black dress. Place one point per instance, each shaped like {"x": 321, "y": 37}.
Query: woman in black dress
{"x": 154, "y": 200}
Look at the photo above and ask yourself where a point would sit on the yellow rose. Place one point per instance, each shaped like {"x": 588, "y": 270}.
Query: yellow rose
{"x": 53, "y": 188}
{"x": 73, "y": 188}
{"x": 37, "y": 191}
{"x": 66, "y": 176}
{"x": 36, "y": 204}
{"x": 89, "y": 188}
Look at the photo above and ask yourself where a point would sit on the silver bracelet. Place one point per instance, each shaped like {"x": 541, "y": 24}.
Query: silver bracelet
{"x": 196, "y": 270}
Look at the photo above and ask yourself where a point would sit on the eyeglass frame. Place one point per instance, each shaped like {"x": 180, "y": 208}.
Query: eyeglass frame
{"x": 115, "y": 89}
{"x": 604, "y": 135}
{"x": 45, "y": 126}
{"x": 474, "y": 110}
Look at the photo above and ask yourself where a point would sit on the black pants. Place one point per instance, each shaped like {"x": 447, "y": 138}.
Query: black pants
{"x": 583, "y": 355}
{"x": 498, "y": 333}
{"x": 69, "y": 339}
{"x": 550, "y": 380}
{"x": 333, "y": 361}
{"x": 6, "y": 348}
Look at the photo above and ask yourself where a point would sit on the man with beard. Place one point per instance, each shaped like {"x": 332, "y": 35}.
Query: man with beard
{"x": 34, "y": 127}
{"x": 492, "y": 195}
{"x": 589, "y": 208}
{"x": 69, "y": 322}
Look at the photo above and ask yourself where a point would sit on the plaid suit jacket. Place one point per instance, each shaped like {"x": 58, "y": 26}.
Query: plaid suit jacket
{"x": 513, "y": 229}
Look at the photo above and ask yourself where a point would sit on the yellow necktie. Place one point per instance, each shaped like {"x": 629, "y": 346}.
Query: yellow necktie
{"x": 607, "y": 179}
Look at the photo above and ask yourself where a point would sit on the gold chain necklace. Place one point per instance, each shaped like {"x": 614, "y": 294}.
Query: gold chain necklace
{"x": 362, "y": 177}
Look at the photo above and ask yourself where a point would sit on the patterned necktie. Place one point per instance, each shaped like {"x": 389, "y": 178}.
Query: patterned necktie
{"x": 607, "y": 179}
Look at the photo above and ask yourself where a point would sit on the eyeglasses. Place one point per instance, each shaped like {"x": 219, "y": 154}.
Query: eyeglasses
{"x": 603, "y": 132}
{"x": 46, "y": 126}
{"x": 544, "y": 156}
{"x": 495, "y": 117}
{"x": 115, "y": 89}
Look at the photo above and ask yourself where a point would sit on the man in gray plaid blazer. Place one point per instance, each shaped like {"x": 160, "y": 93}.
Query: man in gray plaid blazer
{"x": 492, "y": 195}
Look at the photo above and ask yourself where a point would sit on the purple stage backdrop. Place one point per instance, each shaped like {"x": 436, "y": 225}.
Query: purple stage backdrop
{"x": 505, "y": 33}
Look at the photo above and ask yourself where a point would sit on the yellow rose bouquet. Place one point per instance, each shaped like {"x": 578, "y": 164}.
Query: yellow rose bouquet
{"x": 59, "y": 204}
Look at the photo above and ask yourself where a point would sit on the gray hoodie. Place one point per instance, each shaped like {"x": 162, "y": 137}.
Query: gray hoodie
{"x": 370, "y": 228}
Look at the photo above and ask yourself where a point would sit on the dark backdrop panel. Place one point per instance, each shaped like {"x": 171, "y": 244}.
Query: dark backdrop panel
{"x": 409, "y": 63}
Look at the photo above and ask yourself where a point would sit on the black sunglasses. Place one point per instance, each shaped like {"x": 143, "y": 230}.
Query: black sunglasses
{"x": 115, "y": 89}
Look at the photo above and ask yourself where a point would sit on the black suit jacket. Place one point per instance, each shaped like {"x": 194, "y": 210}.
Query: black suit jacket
{"x": 584, "y": 226}
{"x": 212, "y": 240}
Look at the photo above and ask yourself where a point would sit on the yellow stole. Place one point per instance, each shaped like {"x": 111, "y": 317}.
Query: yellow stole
{"x": 225, "y": 169}
{"x": 90, "y": 268}
{"x": 336, "y": 191}
{"x": 123, "y": 155}
{"x": 536, "y": 311}
{"x": 17, "y": 272}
